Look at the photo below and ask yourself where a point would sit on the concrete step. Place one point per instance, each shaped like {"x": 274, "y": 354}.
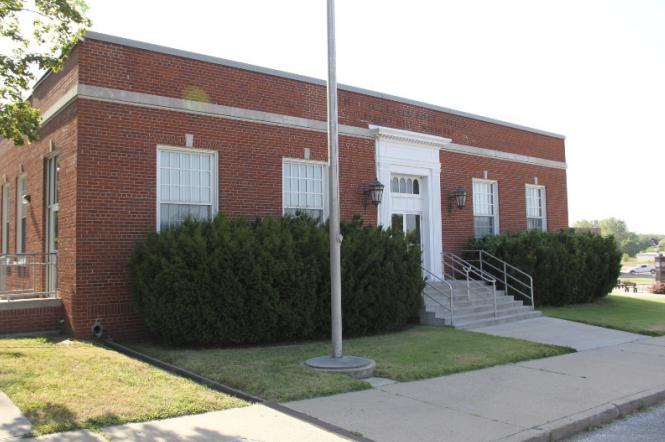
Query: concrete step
{"x": 474, "y": 302}
{"x": 477, "y": 310}
{"x": 499, "y": 320}
{"x": 430, "y": 318}
{"x": 489, "y": 314}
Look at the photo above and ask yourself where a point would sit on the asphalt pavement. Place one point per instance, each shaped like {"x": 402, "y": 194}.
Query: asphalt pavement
{"x": 645, "y": 426}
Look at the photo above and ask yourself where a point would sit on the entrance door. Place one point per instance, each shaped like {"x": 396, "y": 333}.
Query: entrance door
{"x": 408, "y": 211}
{"x": 410, "y": 225}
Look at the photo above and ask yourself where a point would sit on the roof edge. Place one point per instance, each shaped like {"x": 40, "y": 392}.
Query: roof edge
{"x": 303, "y": 78}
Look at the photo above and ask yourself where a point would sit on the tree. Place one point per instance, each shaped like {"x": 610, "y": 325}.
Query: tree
{"x": 586, "y": 224}
{"x": 629, "y": 242}
{"x": 661, "y": 245}
{"x": 35, "y": 36}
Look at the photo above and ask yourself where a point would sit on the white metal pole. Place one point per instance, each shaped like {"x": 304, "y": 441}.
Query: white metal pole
{"x": 333, "y": 156}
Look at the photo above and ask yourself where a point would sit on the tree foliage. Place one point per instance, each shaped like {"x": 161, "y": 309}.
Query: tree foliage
{"x": 628, "y": 242}
{"x": 36, "y": 36}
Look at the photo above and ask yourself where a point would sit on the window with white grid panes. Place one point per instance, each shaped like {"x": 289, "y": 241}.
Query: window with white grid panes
{"x": 536, "y": 214}
{"x": 186, "y": 185}
{"x": 303, "y": 187}
{"x": 485, "y": 208}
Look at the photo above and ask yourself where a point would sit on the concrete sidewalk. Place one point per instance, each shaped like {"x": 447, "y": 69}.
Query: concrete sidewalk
{"x": 534, "y": 400}
{"x": 12, "y": 422}
{"x": 556, "y": 331}
{"x": 254, "y": 423}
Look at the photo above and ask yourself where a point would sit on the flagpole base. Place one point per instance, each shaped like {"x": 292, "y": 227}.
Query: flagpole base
{"x": 354, "y": 366}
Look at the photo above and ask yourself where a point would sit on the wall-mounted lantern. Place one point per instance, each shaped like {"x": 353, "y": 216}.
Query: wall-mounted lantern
{"x": 27, "y": 199}
{"x": 373, "y": 192}
{"x": 458, "y": 196}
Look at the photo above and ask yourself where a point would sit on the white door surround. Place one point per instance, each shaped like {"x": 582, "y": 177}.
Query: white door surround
{"x": 412, "y": 153}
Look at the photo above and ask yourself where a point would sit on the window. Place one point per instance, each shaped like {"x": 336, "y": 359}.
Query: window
{"x": 5, "y": 218}
{"x": 303, "y": 188}
{"x": 485, "y": 208}
{"x": 52, "y": 171}
{"x": 405, "y": 184}
{"x": 21, "y": 214}
{"x": 536, "y": 213}
{"x": 187, "y": 185}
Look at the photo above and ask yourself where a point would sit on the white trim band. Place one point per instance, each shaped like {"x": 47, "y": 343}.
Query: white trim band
{"x": 119, "y": 96}
{"x": 507, "y": 156}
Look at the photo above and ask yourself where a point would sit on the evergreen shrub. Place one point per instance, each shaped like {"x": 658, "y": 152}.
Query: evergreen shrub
{"x": 234, "y": 281}
{"x": 567, "y": 267}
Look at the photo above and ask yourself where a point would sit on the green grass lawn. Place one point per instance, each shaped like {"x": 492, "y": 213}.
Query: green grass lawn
{"x": 633, "y": 312}
{"x": 62, "y": 385}
{"x": 277, "y": 372}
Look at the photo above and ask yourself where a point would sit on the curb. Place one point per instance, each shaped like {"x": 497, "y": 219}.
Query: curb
{"x": 232, "y": 391}
{"x": 593, "y": 417}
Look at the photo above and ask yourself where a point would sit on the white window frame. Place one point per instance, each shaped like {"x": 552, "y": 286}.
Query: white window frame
{"x": 496, "y": 203}
{"x": 214, "y": 176}
{"x": 21, "y": 212}
{"x": 399, "y": 177}
{"x": 324, "y": 178}
{"x": 5, "y": 218}
{"x": 543, "y": 205}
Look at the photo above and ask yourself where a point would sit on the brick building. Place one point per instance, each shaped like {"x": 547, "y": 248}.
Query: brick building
{"x": 137, "y": 136}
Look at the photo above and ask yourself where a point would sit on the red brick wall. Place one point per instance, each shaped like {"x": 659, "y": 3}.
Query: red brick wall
{"x": 459, "y": 170}
{"x": 120, "y": 67}
{"x": 62, "y": 132}
{"x": 31, "y": 320}
{"x": 108, "y": 163}
{"x": 54, "y": 85}
{"x": 117, "y": 188}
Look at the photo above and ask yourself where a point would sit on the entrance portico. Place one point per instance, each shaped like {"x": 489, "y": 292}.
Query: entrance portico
{"x": 408, "y": 164}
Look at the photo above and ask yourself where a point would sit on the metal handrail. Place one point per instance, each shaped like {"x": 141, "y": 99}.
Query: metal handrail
{"x": 28, "y": 275}
{"x": 468, "y": 269}
{"x": 450, "y": 297}
{"x": 506, "y": 274}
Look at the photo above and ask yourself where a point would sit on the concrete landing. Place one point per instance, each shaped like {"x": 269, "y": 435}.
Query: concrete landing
{"x": 560, "y": 332}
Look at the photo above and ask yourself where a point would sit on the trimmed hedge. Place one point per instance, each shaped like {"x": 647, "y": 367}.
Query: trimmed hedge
{"x": 567, "y": 267}
{"x": 231, "y": 281}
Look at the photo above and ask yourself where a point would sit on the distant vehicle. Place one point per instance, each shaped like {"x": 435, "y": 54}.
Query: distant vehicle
{"x": 644, "y": 268}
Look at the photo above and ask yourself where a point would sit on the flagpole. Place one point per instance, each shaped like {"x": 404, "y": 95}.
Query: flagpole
{"x": 333, "y": 151}
{"x": 356, "y": 367}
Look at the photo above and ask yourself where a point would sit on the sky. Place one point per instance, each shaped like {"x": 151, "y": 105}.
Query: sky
{"x": 591, "y": 70}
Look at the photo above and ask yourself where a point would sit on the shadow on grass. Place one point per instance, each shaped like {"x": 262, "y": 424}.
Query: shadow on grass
{"x": 51, "y": 418}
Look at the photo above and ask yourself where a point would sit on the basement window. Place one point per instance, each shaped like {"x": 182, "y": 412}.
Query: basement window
{"x": 186, "y": 185}
{"x": 536, "y": 213}
{"x": 485, "y": 208}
